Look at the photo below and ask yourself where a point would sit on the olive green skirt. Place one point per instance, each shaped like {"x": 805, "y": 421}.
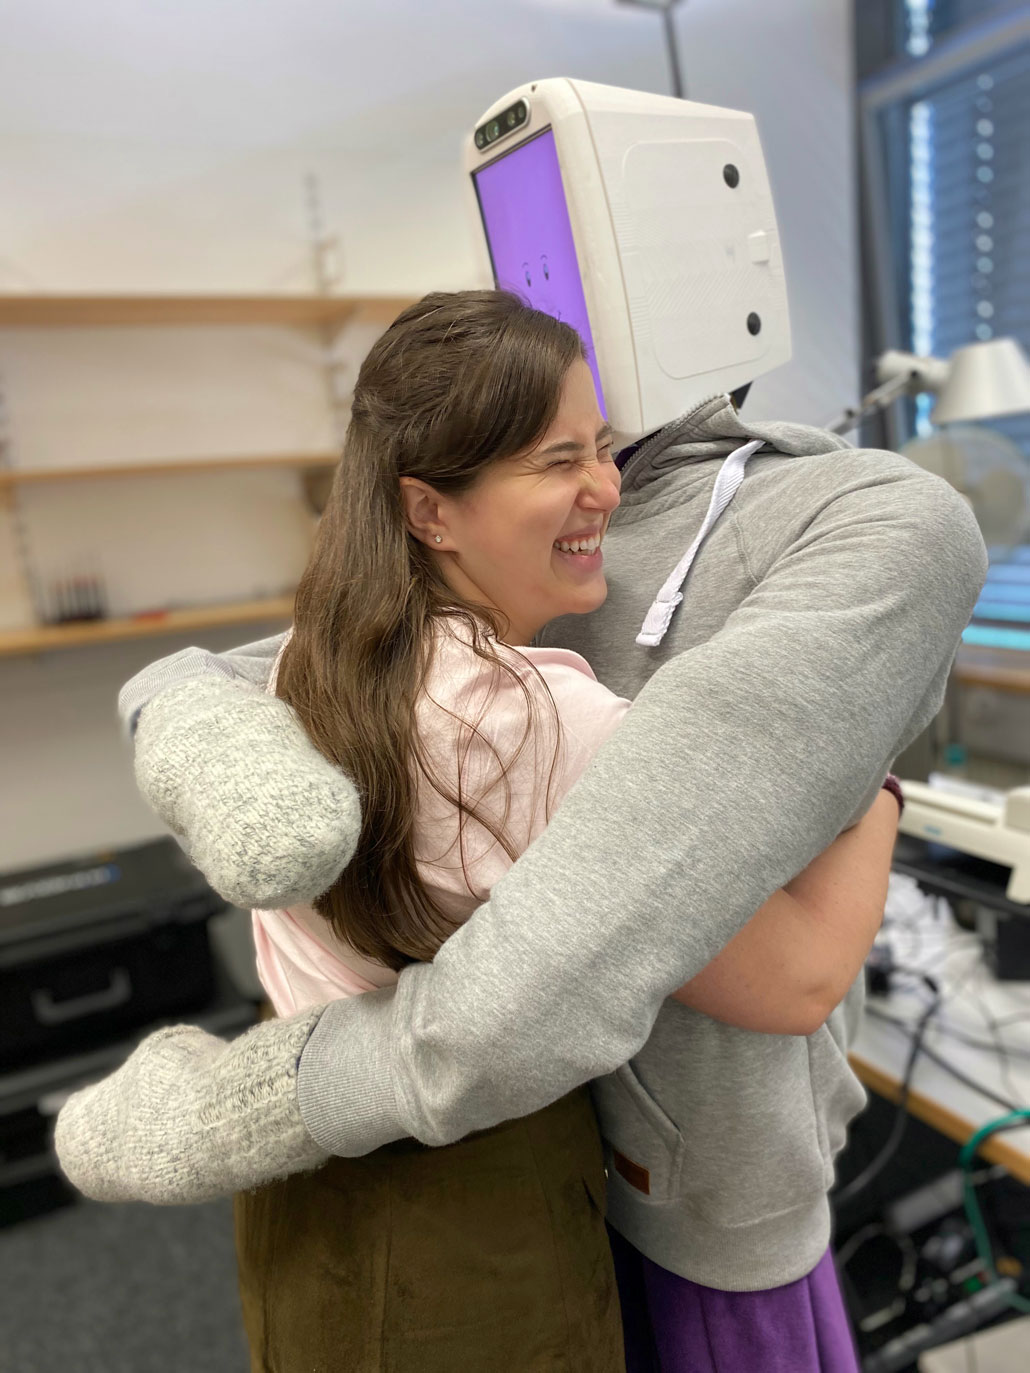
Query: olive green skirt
{"x": 489, "y": 1255}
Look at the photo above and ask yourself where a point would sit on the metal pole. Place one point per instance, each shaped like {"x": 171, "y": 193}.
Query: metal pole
{"x": 666, "y": 7}
{"x": 678, "y": 88}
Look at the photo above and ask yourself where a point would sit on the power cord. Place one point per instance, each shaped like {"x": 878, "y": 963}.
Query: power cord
{"x": 942, "y": 1062}
{"x": 1015, "y": 1120}
{"x": 878, "y": 1164}
{"x": 906, "y": 1276}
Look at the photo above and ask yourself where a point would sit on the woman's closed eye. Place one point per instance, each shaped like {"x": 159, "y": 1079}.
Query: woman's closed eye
{"x": 603, "y": 455}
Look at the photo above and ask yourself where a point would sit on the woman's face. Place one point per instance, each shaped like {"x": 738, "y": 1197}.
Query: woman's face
{"x": 507, "y": 539}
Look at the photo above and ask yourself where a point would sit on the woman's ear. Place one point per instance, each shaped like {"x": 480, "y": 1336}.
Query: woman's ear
{"x": 422, "y": 512}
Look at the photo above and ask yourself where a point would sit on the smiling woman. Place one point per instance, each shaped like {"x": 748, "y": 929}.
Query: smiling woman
{"x": 476, "y": 449}
{"x": 476, "y": 485}
{"x": 524, "y": 540}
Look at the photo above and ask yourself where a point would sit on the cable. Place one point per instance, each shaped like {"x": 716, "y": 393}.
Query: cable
{"x": 1014, "y": 1019}
{"x": 1004, "y": 1051}
{"x": 993, "y": 1045}
{"x": 950, "y": 995}
{"x": 906, "y": 1276}
{"x": 1015, "y": 1120}
{"x": 854, "y": 1243}
{"x": 874, "y": 1168}
{"x": 942, "y": 1062}
{"x": 963, "y": 1036}
{"x": 970, "y": 1082}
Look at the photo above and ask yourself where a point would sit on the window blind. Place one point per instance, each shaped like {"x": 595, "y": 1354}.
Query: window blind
{"x": 965, "y": 227}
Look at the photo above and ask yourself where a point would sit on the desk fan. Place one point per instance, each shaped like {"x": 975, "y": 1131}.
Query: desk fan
{"x": 988, "y": 470}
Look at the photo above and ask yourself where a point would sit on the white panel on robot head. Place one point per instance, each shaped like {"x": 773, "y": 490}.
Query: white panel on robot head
{"x": 645, "y": 222}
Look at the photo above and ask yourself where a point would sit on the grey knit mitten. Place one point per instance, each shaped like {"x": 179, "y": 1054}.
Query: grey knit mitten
{"x": 189, "y": 1117}
{"x": 265, "y": 817}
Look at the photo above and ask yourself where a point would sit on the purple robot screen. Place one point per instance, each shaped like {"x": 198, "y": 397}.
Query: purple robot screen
{"x": 522, "y": 201}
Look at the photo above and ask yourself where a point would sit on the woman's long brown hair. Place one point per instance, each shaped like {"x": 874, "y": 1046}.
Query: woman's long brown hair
{"x": 458, "y": 381}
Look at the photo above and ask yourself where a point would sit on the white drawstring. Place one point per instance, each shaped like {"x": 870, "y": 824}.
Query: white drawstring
{"x": 731, "y": 474}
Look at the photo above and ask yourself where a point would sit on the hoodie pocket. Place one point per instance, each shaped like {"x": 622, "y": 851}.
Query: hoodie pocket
{"x": 837, "y": 1094}
{"x": 643, "y": 1146}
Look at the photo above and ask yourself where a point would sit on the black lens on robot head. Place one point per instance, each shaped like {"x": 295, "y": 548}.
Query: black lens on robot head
{"x": 510, "y": 119}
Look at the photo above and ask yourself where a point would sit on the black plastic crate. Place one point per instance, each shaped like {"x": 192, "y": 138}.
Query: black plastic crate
{"x": 96, "y": 946}
{"x": 30, "y": 1183}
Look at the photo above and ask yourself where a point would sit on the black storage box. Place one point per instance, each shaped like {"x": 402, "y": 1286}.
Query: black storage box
{"x": 96, "y": 946}
{"x": 31, "y": 1096}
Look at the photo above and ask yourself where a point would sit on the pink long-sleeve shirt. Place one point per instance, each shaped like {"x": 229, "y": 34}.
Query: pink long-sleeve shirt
{"x": 300, "y": 961}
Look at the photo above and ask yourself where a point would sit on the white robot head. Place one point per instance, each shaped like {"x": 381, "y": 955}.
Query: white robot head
{"x": 645, "y": 222}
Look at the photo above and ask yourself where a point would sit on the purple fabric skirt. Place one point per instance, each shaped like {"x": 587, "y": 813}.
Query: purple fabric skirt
{"x": 673, "y": 1325}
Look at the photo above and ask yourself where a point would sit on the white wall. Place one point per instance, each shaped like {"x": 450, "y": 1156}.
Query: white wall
{"x": 163, "y": 148}
{"x": 790, "y": 62}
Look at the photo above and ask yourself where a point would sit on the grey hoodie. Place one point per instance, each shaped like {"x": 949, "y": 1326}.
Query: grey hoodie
{"x": 814, "y": 641}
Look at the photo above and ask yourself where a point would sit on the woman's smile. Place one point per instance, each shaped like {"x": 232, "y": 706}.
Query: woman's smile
{"x": 580, "y": 554}
{"x": 583, "y": 541}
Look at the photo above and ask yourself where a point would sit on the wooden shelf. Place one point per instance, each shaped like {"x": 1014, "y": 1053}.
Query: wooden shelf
{"x": 55, "y": 310}
{"x": 45, "y": 638}
{"x": 1005, "y": 669}
{"x": 99, "y": 311}
{"x": 29, "y": 476}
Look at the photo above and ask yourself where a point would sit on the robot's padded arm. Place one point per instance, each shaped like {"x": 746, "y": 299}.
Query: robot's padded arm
{"x": 229, "y": 768}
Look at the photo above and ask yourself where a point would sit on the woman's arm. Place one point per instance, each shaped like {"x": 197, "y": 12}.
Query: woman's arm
{"x": 786, "y": 970}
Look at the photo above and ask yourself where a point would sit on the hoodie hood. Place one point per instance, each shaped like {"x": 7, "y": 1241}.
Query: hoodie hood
{"x": 713, "y": 429}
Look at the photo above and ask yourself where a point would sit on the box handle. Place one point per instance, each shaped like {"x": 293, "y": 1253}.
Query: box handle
{"x": 51, "y": 1012}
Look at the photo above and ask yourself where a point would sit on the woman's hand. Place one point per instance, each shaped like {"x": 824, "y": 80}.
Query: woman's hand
{"x": 795, "y": 960}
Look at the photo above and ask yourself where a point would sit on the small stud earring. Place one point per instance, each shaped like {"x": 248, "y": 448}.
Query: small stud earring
{"x": 438, "y": 538}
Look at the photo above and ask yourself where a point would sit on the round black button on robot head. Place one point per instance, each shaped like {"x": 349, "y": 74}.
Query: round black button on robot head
{"x": 731, "y": 176}
{"x": 754, "y": 323}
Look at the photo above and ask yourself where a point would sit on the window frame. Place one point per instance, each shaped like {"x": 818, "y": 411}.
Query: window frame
{"x": 897, "y": 85}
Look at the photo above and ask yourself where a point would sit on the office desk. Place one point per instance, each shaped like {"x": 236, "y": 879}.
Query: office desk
{"x": 1006, "y": 669}
{"x": 924, "y": 936}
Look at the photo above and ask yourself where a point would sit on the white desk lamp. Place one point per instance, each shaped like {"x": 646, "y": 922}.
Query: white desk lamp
{"x": 980, "y": 381}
